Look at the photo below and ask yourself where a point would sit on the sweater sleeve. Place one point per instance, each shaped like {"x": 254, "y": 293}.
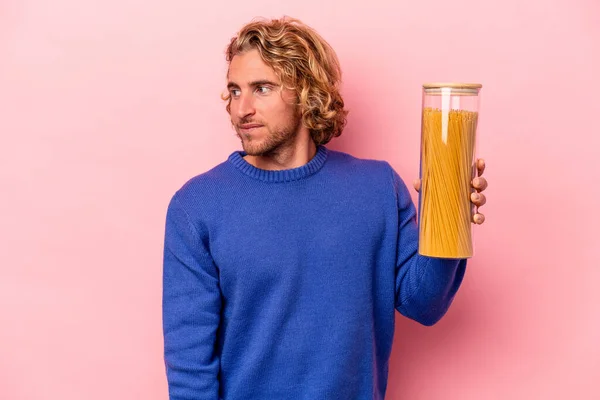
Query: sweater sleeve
{"x": 425, "y": 286}
{"x": 191, "y": 309}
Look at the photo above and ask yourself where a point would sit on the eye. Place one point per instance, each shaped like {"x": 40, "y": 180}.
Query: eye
{"x": 234, "y": 92}
{"x": 263, "y": 89}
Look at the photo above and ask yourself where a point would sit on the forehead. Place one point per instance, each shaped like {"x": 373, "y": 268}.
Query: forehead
{"x": 249, "y": 67}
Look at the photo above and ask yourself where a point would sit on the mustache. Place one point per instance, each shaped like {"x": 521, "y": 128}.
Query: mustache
{"x": 246, "y": 121}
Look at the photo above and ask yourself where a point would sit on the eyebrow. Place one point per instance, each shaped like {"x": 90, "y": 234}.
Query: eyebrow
{"x": 261, "y": 82}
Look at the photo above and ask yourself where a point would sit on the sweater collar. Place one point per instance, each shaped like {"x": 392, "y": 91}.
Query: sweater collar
{"x": 285, "y": 175}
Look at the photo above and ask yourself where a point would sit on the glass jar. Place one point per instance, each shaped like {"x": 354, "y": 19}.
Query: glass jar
{"x": 448, "y": 131}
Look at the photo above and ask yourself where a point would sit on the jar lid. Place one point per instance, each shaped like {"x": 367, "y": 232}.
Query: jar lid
{"x": 455, "y": 88}
{"x": 452, "y": 85}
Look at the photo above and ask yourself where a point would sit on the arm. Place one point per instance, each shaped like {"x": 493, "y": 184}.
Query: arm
{"x": 191, "y": 309}
{"x": 425, "y": 286}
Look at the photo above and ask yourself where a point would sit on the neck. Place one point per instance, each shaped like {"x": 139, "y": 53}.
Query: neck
{"x": 286, "y": 157}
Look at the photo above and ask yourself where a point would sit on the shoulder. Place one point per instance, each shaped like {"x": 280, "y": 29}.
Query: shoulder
{"x": 202, "y": 190}
{"x": 364, "y": 166}
{"x": 374, "y": 172}
{"x": 209, "y": 180}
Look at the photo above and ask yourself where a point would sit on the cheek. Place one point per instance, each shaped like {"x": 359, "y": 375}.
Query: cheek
{"x": 282, "y": 111}
{"x": 234, "y": 112}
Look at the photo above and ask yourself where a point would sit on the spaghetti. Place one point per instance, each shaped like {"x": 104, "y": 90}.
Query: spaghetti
{"x": 447, "y": 169}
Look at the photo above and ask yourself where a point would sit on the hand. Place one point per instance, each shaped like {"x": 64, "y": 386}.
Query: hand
{"x": 477, "y": 198}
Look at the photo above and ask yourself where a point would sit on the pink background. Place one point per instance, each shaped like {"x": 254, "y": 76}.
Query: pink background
{"x": 107, "y": 107}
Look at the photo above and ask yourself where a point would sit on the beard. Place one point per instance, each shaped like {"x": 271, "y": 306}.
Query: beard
{"x": 274, "y": 141}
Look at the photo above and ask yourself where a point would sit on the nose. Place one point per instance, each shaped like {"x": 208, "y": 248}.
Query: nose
{"x": 244, "y": 106}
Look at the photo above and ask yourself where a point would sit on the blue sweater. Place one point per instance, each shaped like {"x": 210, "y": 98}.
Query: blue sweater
{"x": 283, "y": 284}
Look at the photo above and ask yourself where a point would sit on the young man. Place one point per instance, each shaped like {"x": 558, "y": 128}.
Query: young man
{"x": 284, "y": 265}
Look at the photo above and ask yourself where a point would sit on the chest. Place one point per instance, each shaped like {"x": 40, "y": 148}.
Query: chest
{"x": 265, "y": 244}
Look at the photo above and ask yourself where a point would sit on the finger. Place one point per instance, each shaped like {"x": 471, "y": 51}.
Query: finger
{"x": 479, "y": 183}
{"x": 417, "y": 184}
{"x": 478, "y": 199}
{"x": 479, "y": 218}
{"x": 480, "y": 166}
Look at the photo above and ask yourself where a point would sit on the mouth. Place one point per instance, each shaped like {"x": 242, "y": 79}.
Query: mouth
{"x": 248, "y": 128}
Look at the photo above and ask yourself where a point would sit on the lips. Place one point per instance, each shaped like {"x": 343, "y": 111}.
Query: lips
{"x": 247, "y": 129}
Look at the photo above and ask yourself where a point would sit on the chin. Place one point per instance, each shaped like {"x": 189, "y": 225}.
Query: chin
{"x": 264, "y": 146}
{"x": 253, "y": 149}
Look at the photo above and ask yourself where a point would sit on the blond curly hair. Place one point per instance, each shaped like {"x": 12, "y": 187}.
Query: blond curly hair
{"x": 305, "y": 63}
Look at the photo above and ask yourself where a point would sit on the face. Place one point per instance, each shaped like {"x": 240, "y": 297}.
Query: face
{"x": 262, "y": 112}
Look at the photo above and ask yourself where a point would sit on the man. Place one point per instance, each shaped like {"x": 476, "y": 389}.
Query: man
{"x": 284, "y": 265}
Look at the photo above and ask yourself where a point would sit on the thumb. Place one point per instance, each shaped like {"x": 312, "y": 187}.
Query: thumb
{"x": 417, "y": 184}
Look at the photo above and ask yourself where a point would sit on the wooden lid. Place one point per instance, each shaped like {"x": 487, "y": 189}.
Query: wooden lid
{"x": 452, "y": 85}
{"x": 452, "y": 89}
